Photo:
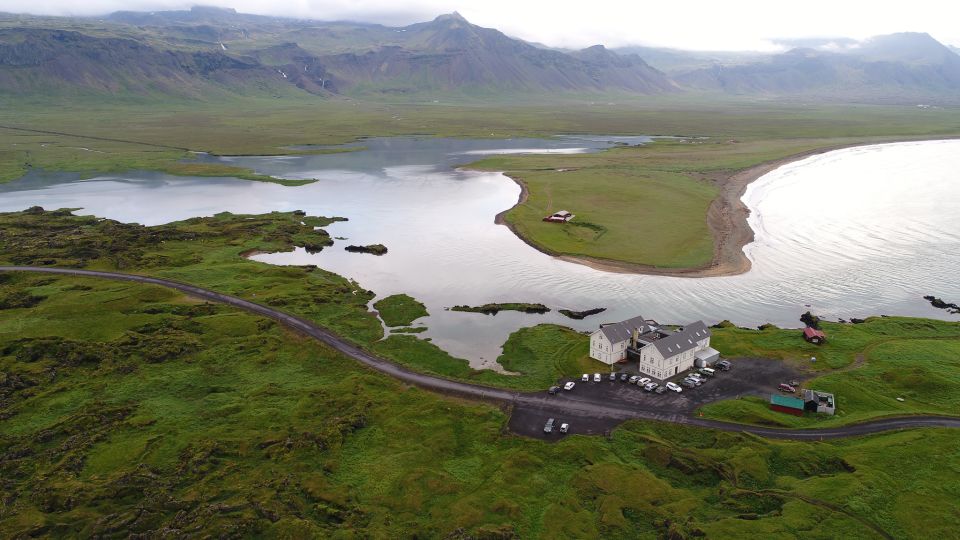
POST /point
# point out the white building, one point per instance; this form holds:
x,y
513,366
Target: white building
x,y
663,354
609,343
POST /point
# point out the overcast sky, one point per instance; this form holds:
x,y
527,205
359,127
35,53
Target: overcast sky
x,y
690,24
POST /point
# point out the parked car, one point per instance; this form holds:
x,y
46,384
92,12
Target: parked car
x,y
564,428
624,376
724,365
688,383
569,385
673,386
613,376
634,379
548,427
553,390
585,378
596,377
697,377
650,386
660,389
784,387
709,372
643,381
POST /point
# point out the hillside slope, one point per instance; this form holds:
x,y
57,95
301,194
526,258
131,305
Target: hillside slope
x,y
893,66
187,52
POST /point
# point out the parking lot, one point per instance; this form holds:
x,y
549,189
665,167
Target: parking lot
x,y
749,376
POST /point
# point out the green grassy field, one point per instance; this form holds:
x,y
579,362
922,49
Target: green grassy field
x,y
159,128
547,352
867,366
400,310
625,211
157,412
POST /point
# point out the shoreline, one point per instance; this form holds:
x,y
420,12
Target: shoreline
x,y
726,219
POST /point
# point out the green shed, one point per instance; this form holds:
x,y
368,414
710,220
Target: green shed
x,y
786,404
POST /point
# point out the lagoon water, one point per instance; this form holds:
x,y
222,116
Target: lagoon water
x,y
850,233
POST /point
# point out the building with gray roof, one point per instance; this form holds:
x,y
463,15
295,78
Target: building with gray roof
x,y
670,353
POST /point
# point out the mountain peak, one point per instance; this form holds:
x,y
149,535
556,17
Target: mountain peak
x,y
916,47
212,10
451,17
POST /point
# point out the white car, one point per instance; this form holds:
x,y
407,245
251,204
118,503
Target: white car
x,y
643,381
585,378
564,428
596,377
675,387
569,385
633,380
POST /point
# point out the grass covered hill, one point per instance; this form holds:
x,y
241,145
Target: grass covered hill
x,y
155,413
59,62
209,49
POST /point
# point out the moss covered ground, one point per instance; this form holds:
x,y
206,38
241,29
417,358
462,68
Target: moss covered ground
x,y
157,414
208,252
494,308
400,310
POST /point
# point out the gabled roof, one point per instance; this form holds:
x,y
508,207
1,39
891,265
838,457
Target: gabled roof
x,y
623,330
682,340
812,332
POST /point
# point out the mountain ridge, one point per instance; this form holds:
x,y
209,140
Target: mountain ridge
x,y
193,52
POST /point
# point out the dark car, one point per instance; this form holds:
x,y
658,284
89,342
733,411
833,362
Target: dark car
x,y
660,389
553,390
724,365
624,377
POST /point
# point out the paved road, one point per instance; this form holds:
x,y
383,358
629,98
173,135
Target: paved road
x,y
605,412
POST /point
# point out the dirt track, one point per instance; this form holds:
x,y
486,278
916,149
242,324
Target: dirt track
x,y
605,413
